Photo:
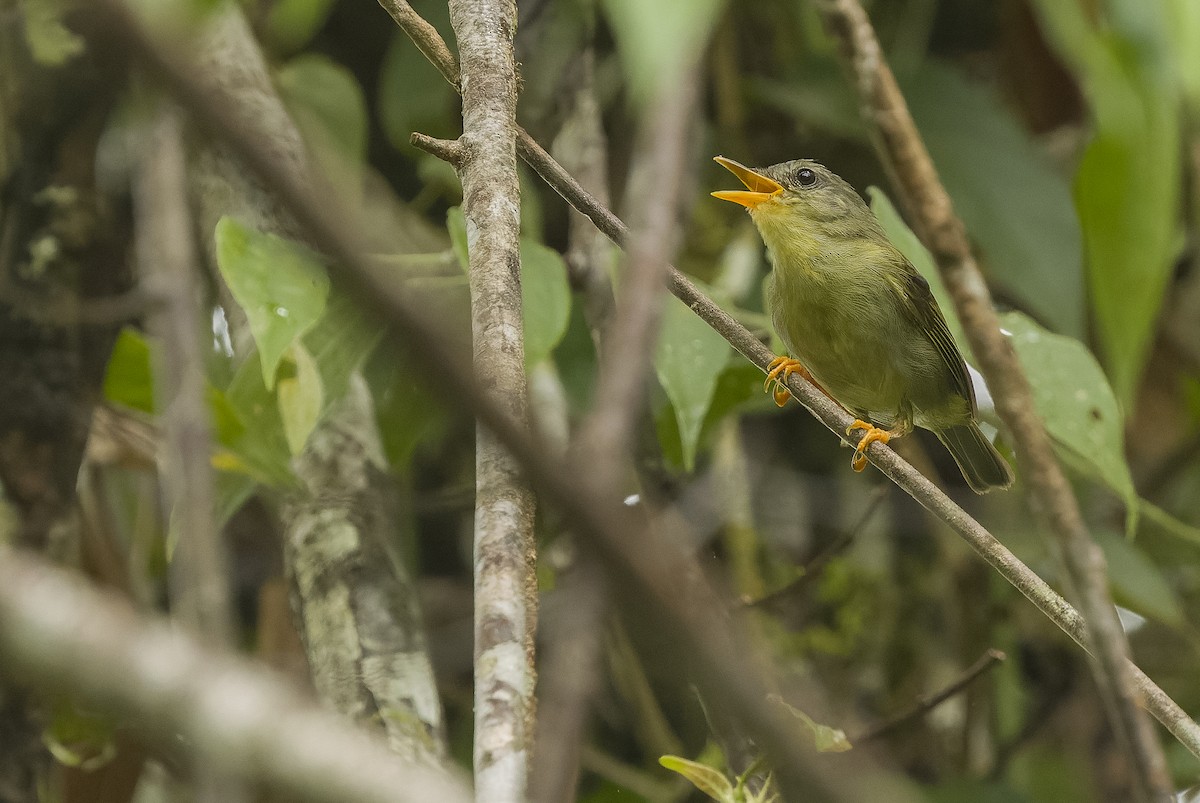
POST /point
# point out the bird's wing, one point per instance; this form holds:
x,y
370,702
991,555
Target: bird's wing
x,y
922,306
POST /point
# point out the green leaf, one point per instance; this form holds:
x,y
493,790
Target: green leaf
x,y
129,380
658,40
291,23
1014,201
413,95
1136,582
825,738
339,343
77,738
1074,399
708,780
262,450
456,224
545,300
1128,184
325,99
301,396
409,415
280,285
689,359
50,42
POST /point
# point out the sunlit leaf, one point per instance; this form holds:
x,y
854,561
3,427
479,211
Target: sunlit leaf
x,y
301,396
689,359
129,379
708,780
279,283
50,42
262,450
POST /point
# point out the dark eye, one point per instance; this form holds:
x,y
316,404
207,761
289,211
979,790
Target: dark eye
x,y
806,177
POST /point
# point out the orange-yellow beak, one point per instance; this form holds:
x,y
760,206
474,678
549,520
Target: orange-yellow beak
x,y
759,188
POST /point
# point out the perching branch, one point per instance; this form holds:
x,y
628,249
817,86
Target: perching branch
x,y
929,702
505,549
915,484
903,151
58,635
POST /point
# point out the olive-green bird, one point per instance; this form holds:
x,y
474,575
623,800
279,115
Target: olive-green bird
x,y
858,318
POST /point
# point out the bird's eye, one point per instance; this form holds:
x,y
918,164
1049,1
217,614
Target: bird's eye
x,y
806,177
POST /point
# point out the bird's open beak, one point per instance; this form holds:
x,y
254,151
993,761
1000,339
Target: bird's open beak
x,y
759,188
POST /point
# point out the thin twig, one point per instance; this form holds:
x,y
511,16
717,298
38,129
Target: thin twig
x,y
505,549
448,150
928,702
57,634
903,151
167,261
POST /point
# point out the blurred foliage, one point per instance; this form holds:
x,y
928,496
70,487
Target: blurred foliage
x,y
1067,135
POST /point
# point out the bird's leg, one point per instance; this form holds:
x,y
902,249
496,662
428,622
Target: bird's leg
x,y
778,371
873,434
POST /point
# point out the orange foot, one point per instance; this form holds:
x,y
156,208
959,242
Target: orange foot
x,y
777,372
874,433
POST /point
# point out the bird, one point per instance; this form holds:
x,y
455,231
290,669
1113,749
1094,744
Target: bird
x,y
857,319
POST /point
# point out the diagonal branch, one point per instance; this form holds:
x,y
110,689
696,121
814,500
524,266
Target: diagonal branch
x,y
903,151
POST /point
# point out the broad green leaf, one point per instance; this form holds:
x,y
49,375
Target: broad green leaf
x,y
129,380
1136,582
1074,399
413,95
409,414
708,780
280,285
689,359
301,396
1011,196
291,23
545,300
339,343
1127,186
658,40
325,99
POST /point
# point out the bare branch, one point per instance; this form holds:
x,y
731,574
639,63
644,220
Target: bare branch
x,y
929,702
167,261
56,635
505,549
448,150
903,151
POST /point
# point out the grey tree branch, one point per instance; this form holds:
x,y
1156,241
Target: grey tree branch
x,y
354,604
1174,718
58,635
168,266
505,549
901,148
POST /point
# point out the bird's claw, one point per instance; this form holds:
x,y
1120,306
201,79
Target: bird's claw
x,y
873,434
778,371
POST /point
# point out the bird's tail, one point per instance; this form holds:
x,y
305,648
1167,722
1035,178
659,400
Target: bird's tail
x,y
980,463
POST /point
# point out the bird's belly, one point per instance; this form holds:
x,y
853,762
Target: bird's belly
x,y
858,363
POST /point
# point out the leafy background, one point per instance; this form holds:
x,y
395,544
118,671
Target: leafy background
x,y
1065,133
